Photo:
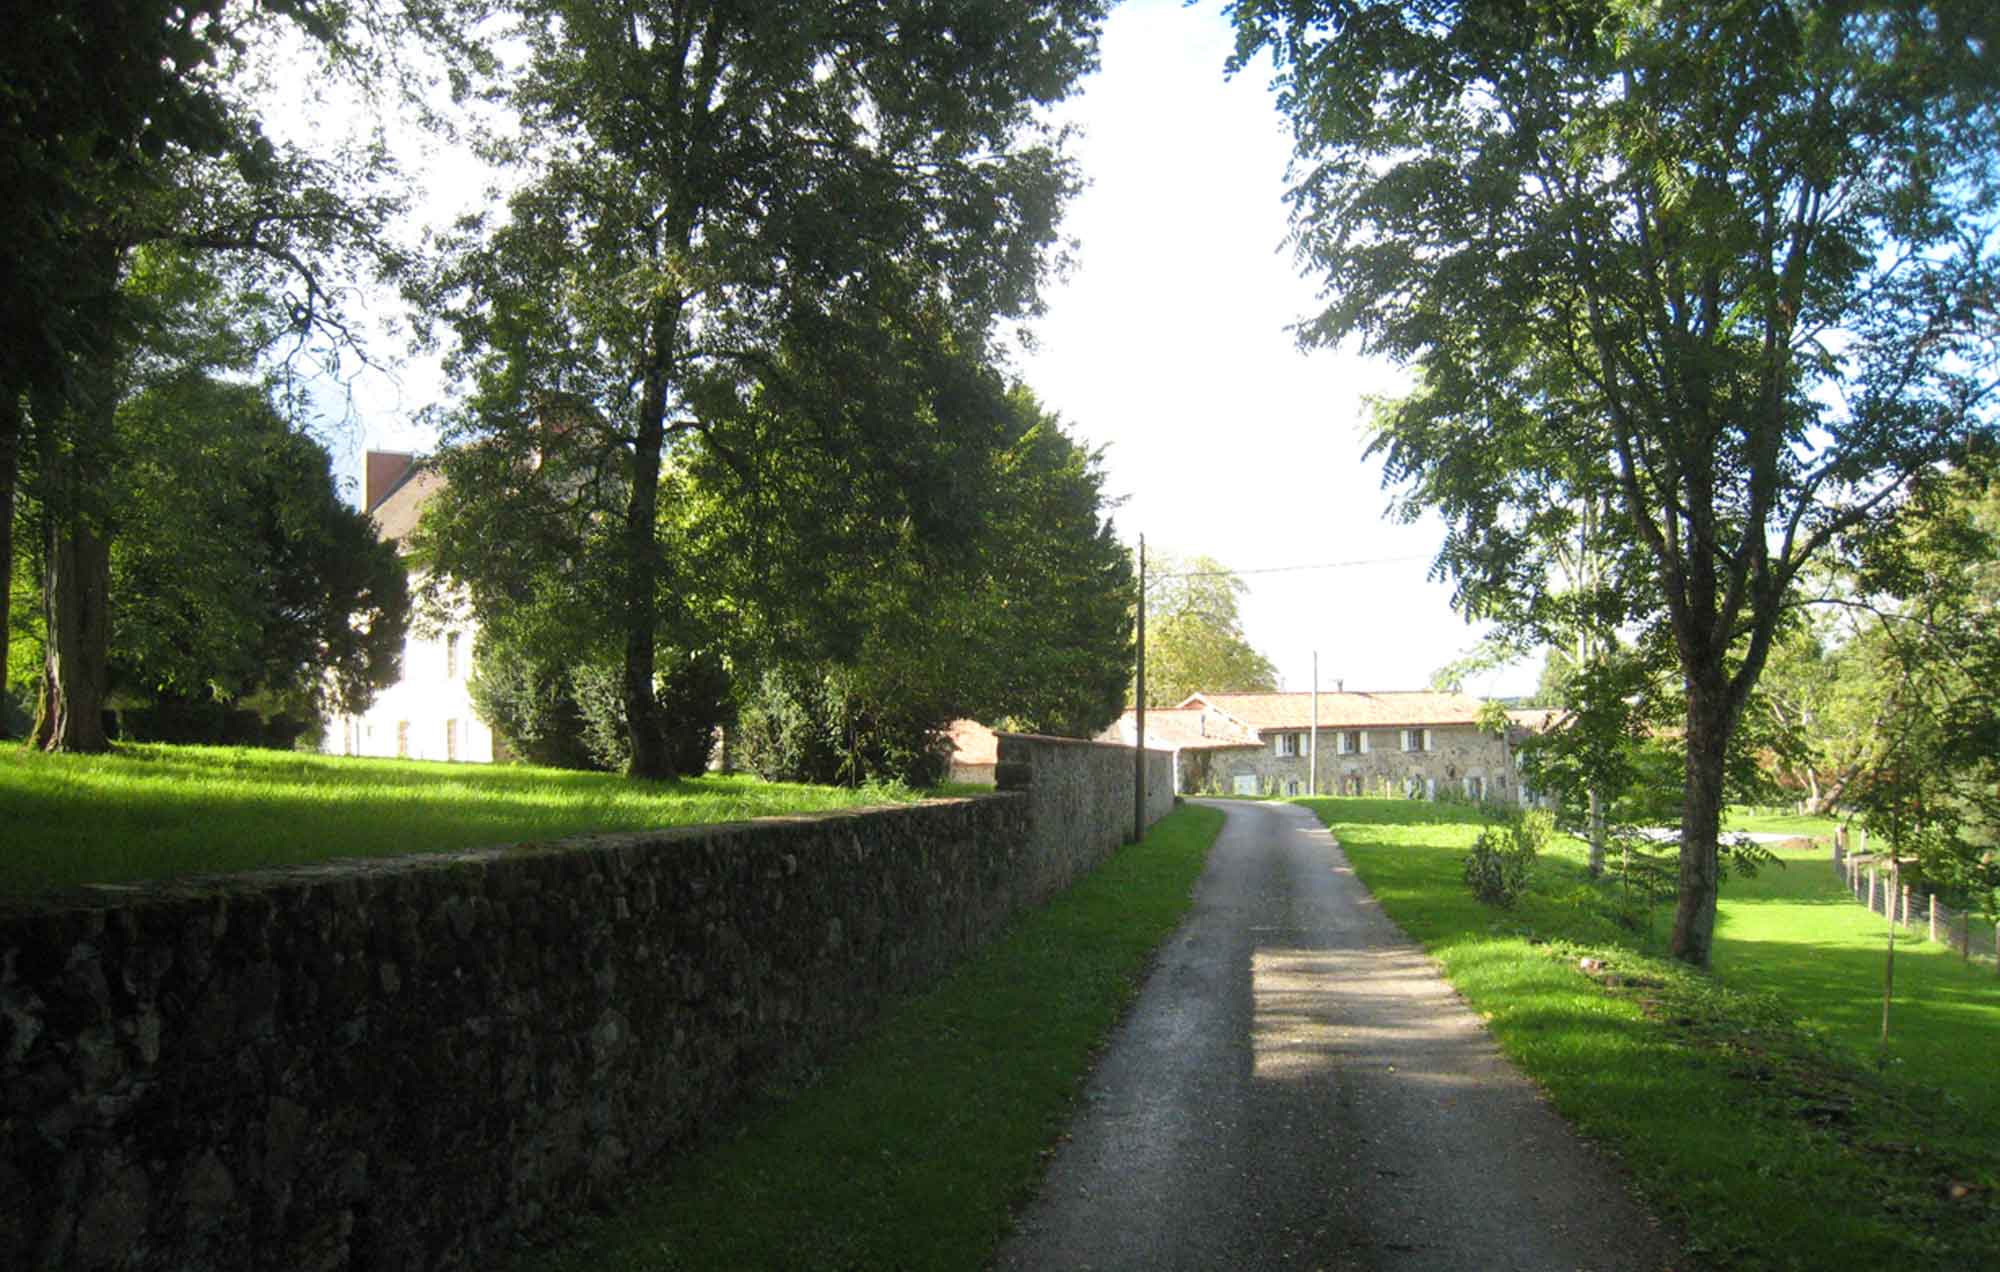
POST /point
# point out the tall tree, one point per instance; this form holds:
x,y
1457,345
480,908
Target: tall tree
x,y
728,207
126,125
1194,634
1925,652
243,572
1732,261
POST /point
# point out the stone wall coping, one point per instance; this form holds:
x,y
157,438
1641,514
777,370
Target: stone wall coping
x,y
196,888
1096,742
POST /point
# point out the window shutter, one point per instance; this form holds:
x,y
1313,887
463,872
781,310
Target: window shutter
x,y
1364,741
1427,739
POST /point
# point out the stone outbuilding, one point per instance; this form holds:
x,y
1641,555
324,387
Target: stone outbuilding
x,y
1399,743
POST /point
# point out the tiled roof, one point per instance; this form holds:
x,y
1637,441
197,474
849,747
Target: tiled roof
x,y
973,743
1267,711
1179,730
396,516
1536,719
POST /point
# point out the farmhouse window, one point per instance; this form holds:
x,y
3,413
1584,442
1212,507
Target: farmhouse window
x,y
1353,742
1416,739
1475,788
1287,743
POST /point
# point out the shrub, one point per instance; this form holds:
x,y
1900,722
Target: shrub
x,y
1503,856
812,725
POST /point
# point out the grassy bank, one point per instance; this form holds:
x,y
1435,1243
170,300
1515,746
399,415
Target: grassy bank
x,y
911,1149
1748,1105
151,812
1798,933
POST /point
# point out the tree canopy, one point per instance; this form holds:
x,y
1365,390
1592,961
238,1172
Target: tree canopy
x,y
1728,268
127,127
739,220
1194,634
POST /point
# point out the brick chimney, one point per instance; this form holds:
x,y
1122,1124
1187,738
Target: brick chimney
x,y
385,471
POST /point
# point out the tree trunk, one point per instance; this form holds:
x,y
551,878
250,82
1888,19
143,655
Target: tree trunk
x,y
76,437
10,472
644,727
76,592
1596,834
1701,826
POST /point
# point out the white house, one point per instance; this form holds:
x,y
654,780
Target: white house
x,y
427,714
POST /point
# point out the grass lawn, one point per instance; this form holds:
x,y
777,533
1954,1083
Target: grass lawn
x,y
912,1148
1746,1105
1798,933
1780,821
151,811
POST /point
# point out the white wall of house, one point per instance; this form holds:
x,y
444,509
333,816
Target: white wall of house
x,y
426,715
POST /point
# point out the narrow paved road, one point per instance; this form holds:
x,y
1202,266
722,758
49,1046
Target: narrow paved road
x,y
1297,1088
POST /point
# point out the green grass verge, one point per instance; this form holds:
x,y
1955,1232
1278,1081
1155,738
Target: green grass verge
x,y
1798,933
912,1148
152,812
1780,821
1747,1105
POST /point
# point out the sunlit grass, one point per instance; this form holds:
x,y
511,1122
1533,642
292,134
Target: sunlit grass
x,y
1779,821
1745,1104
913,1147
1798,933
153,811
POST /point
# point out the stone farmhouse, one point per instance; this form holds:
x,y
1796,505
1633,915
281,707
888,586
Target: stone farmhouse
x,y
1415,744
427,714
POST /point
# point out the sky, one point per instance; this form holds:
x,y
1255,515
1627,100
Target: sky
x,y
1168,345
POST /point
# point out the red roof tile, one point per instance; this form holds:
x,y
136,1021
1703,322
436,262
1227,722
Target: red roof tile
x,y
1269,711
973,743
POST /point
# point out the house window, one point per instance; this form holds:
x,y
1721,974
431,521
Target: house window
x,y
1475,788
1292,787
1353,742
1416,739
1287,744
402,739
451,739
451,655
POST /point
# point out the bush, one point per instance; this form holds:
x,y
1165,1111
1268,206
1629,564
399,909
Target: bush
x,y
572,715
1503,857
531,705
805,725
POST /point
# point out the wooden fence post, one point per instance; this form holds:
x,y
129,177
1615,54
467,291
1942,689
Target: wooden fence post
x,y
1904,893
1871,890
1933,918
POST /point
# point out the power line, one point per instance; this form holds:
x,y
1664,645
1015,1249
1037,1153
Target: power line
x,y
1282,569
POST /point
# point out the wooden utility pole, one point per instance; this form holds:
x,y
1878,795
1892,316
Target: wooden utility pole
x,y
1139,701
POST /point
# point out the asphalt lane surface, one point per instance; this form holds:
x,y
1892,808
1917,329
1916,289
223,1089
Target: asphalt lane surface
x,y
1296,1087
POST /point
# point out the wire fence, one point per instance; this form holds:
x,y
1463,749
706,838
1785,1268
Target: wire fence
x,y
1877,883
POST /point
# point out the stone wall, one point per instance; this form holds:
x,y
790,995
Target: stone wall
x,y
403,1064
1079,799
1457,752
